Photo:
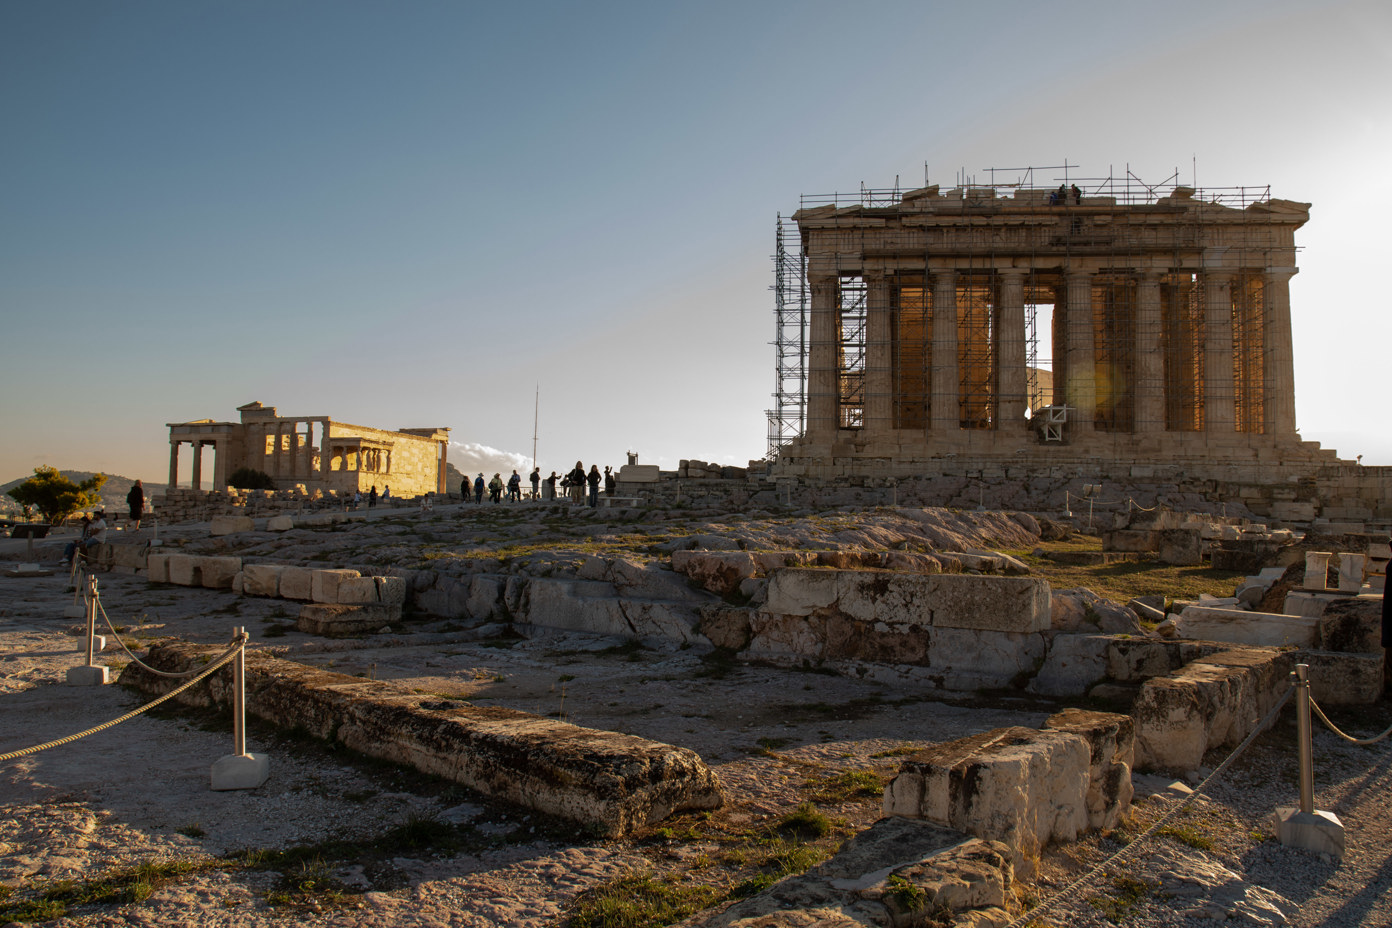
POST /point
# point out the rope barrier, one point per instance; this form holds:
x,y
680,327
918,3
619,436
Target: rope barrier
x,y
226,657
1335,729
157,672
1155,826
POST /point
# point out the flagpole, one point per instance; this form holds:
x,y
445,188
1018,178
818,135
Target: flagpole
x,y
536,414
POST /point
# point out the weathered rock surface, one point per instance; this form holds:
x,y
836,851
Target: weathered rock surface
x,y
345,621
1213,702
897,872
610,782
1023,786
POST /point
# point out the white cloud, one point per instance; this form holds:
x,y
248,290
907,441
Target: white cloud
x,y
472,458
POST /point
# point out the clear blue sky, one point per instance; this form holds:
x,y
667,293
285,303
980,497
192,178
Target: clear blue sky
x,y
412,214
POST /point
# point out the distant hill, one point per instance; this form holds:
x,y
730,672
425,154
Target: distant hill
x,y
113,492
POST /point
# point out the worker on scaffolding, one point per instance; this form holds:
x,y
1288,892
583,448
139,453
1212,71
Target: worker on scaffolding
x,y
1075,193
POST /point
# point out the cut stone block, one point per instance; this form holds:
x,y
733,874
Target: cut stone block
x,y
229,525
1241,626
217,573
262,579
280,523
639,473
1112,739
391,590
345,621
157,568
608,783
1017,785
1351,569
1209,703
297,583
1180,547
1074,664
1003,604
1339,679
324,584
1317,831
357,590
1310,605
1317,570
183,570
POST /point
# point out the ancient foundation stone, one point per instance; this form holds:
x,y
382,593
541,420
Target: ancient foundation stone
x,y
1339,679
297,583
607,782
217,573
1209,703
324,584
228,525
1112,739
1018,785
261,579
1239,626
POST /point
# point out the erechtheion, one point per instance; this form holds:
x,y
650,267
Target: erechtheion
x,y
313,451
919,326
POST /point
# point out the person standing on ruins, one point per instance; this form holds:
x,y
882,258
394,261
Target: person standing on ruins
x,y
135,499
593,479
495,489
551,485
478,489
610,481
464,489
576,481
536,483
514,488
372,497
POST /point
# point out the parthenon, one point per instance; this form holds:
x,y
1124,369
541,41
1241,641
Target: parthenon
x,y
345,458
928,324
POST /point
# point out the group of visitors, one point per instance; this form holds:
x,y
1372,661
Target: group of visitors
x,y
573,483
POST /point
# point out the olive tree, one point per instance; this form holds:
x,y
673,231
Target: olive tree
x,y
55,496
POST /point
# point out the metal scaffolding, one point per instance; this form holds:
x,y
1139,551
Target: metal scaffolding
x,y
903,394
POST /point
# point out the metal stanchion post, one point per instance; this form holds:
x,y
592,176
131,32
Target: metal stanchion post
x,y
90,674
1307,827
240,770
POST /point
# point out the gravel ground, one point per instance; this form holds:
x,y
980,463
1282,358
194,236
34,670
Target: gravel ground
x,y
139,792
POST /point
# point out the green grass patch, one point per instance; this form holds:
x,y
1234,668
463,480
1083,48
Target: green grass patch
x,y
1128,893
115,887
639,900
1187,834
848,784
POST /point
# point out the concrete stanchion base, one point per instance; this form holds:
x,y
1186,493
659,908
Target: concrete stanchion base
x,y
1315,831
241,771
29,570
89,676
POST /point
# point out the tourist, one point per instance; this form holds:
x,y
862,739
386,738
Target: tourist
x,y
478,489
93,534
464,489
576,481
495,489
536,482
551,485
514,488
386,493
610,481
372,497
357,499
593,480
135,499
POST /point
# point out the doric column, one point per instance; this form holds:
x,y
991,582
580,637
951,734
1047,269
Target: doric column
x,y
1080,391
219,466
325,453
309,450
277,456
1219,410
943,390
1012,379
1278,359
822,394
198,464
1150,372
440,467
878,399
173,462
